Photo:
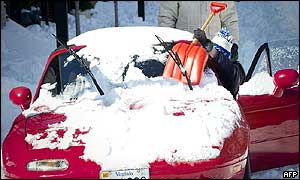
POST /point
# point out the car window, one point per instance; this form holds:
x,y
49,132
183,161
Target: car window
x,y
70,69
73,77
65,76
283,54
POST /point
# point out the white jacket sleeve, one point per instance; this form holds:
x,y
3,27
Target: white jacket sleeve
x,y
168,14
229,19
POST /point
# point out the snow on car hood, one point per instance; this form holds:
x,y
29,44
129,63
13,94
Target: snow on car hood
x,y
142,119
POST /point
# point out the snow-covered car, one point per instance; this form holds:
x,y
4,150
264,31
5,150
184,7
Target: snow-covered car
x,y
135,123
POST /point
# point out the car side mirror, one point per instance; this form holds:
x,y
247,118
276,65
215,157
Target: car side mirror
x,y
21,96
284,79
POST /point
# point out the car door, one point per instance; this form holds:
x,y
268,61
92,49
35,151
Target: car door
x,y
274,129
273,121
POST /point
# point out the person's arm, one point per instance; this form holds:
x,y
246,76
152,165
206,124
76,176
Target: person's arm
x,y
168,13
229,73
229,19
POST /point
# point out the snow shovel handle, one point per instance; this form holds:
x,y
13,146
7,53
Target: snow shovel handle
x,y
215,7
208,20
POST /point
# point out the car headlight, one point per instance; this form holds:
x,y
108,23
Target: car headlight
x,y
48,165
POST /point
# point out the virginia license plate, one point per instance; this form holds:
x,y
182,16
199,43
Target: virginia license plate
x,y
142,173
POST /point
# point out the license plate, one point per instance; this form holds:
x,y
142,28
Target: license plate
x,y
142,173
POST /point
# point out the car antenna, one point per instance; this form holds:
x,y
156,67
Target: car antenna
x,y
71,51
177,60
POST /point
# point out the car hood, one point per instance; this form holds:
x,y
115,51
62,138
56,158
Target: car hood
x,y
44,129
159,124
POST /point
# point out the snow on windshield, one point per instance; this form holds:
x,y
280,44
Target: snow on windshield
x,y
136,118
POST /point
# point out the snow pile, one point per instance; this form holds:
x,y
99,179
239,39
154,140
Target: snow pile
x,y
119,130
21,65
262,82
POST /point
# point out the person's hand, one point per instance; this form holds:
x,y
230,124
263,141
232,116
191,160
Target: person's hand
x,y
201,37
234,52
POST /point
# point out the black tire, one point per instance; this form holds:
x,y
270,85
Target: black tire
x,y
247,174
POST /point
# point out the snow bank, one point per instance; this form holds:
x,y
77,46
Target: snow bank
x,y
261,83
21,65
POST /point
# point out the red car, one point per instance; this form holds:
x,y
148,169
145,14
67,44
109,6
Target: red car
x,y
267,135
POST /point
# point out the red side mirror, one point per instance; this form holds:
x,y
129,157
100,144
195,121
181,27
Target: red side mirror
x,y
284,79
21,96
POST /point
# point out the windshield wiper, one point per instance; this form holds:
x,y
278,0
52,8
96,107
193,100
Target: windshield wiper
x,y
81,61
177,60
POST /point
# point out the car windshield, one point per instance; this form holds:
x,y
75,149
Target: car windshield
x,y
283,54
65,76
73,76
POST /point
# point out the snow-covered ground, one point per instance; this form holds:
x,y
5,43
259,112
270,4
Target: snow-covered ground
x,y
24,50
